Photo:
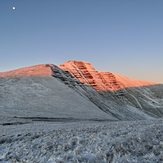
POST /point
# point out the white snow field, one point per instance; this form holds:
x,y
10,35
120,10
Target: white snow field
x,y
83,142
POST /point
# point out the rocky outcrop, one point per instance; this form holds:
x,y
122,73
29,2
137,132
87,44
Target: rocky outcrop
x,y
101,81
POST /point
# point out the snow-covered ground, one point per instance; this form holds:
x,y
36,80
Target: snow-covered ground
x,y
84,141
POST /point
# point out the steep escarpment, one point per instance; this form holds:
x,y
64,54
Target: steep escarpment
x,y
87,74
123,91
101,81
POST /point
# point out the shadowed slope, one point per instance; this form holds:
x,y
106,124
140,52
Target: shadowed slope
x,y
37,96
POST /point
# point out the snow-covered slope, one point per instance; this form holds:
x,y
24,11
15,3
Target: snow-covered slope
x,y
44,97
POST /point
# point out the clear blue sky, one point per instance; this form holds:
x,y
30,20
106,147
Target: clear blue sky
x,y
124,36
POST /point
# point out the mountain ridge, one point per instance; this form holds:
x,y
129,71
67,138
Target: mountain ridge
x,y
34,70
84,72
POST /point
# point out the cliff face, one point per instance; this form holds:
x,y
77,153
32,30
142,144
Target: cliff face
x,y
101,81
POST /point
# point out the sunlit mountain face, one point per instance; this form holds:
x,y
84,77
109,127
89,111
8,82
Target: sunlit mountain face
x,y
84,72
101,81
37,70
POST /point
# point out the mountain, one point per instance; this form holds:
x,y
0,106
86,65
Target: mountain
x,y
37,70
143,95
75,90
33,93
101,81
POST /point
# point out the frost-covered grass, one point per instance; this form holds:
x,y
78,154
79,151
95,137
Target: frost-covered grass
x,y
89,142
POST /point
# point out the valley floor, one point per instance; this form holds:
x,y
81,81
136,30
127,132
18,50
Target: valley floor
x,y
89,142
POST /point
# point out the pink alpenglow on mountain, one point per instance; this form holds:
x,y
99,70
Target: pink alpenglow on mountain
x,y
37,70
101,81
84,72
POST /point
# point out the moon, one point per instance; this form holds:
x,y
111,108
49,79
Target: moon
x,y
13,7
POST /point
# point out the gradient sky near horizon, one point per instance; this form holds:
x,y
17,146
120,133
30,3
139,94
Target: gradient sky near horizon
x,y
124,36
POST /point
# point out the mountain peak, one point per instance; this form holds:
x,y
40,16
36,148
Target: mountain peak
x,y
36,70
84,72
